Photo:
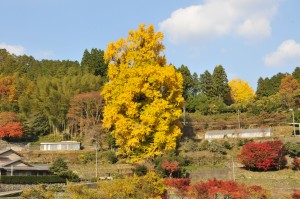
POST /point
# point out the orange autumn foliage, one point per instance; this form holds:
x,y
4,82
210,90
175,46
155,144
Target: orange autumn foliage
x,y
9,125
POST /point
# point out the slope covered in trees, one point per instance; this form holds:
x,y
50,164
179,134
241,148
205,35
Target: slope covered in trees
x,y
48,96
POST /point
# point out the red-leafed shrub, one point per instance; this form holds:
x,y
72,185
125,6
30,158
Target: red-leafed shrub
x,y
170,166
181,184
226,189
296,164
256,191
263,155
9,125
218,188
296,194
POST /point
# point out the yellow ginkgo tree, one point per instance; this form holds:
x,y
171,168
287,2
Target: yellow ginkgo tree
x,y
143,95
240,91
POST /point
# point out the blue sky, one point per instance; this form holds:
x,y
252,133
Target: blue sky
x,y
250,38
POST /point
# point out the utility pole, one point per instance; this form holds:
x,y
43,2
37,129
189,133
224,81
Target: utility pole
x,y
239,121
293,114
233,172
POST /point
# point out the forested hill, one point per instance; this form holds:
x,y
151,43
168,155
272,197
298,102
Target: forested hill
x,y
38,93
63,97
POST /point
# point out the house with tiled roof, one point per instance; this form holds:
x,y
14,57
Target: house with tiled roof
x,y
11,164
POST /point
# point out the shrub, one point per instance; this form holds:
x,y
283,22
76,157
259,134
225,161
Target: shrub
x,y
140,170
87,157
242,142
293,149
170,156
59,165
170,167
263,155
181,185
190,145
204,145
60,168
147,186
216,147
227,145
226,189
39,191
110,156
296,164
296,194
70,175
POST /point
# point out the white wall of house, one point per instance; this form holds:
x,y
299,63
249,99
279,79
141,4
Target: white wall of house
x,y
53,146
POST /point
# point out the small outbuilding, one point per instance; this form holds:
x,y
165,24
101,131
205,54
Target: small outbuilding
x,y
58,146
238,133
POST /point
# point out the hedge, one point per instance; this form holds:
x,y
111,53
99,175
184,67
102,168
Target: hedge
x,y
31,179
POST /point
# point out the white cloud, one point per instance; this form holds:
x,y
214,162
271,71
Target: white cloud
x,y
13,49
286,53
214,18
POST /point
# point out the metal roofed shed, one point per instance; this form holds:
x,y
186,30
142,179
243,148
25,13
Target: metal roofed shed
x,y
238,133
57,146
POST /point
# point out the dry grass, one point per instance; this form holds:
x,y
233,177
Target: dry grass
x,y
88,171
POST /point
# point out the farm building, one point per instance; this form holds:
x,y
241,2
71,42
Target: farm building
x,y
238,133
64,145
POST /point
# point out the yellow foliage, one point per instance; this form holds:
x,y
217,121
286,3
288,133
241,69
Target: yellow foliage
x,y
148,186
143,96
240,91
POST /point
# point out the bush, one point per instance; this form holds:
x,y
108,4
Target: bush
x,y
190,145
87,157
180,184
216,147
293,149
171,157
110,156
204,145
296,164
31,179
70,176
226,189
242,142
263,155
227,145
39,191
296,194
140,170
60,168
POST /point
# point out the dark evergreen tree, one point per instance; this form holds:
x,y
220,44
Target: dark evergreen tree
x,y
220,83
207,84
93,63
187,80
261,90
196,84
296,74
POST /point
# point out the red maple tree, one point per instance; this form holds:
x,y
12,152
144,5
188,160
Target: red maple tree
x,y
9,125
170,166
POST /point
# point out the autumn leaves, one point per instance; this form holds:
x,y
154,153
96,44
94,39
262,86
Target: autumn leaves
x,y
143,96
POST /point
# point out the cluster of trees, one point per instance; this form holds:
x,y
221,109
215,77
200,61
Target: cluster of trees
x,y
50,96
213,94
141,100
